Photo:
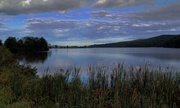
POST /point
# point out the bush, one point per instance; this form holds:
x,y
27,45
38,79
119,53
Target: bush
x,y
6,58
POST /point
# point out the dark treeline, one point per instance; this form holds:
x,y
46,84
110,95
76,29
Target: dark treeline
x,y
26,44
168,41
0,42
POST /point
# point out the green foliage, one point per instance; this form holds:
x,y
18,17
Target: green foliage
x,y
11,44
1,42
12,78
6,58
35,44
42,44
26,44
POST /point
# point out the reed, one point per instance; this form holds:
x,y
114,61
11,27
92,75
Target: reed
x,y
117,87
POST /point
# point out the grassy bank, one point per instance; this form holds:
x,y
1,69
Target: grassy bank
x,y
117,87
137,88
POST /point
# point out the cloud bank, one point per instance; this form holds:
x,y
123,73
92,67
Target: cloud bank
x,y
169,12
13,7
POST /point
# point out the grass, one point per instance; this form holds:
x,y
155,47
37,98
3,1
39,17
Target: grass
x,y
119,88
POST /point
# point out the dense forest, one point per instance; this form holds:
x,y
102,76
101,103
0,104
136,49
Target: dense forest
x,y
26,44
169,41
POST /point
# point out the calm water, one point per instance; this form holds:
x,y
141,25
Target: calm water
x,y
64,58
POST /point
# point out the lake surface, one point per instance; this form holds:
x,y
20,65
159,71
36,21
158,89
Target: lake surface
x,y
55,59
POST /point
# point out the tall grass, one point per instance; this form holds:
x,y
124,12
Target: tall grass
x,y
118,87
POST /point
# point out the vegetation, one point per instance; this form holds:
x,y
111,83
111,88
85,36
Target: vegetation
x,y
170,41
12,77
118,87
0,42
27,44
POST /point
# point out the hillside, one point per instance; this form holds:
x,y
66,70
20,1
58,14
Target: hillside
x,y
170,41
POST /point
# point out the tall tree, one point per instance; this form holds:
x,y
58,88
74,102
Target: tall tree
x,y
20,45
43,44
29,43
11,44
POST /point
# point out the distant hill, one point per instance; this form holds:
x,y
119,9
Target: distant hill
x,y
169,41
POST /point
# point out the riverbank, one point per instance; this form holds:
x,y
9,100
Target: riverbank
x,y
118,87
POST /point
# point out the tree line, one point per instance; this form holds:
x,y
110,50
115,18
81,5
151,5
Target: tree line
x,y
26,44
167,41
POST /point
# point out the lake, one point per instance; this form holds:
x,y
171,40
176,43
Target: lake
x,y
55,59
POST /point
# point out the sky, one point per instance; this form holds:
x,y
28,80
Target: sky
x,y
88,22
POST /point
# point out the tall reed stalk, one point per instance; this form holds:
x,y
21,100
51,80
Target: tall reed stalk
x,y
115,87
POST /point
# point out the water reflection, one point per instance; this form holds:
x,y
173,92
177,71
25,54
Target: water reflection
x,y
157,56
64,58
35,57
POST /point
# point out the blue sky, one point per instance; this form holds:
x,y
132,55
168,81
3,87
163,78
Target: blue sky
x,y
86,22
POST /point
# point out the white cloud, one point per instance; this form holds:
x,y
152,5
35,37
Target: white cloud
x,y
122,3
27,2
141,25
100,2
73,42
112,39
101,13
